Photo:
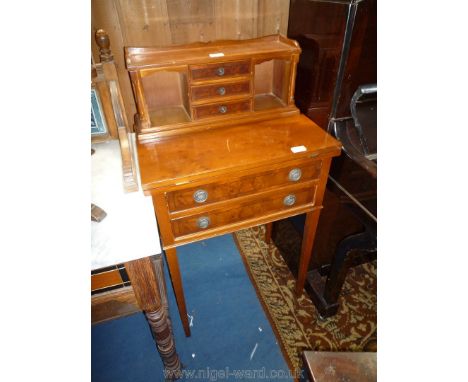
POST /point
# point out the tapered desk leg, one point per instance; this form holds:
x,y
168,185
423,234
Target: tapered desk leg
x,y
306,250
268,231
173,263
146,282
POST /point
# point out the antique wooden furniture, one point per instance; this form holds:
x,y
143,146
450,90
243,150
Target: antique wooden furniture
x,y
221,145
104,78
341,366
193,86
166,22
339,53
353,179
124,279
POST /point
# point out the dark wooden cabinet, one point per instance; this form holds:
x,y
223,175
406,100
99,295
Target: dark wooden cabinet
x,y
339,43
320,28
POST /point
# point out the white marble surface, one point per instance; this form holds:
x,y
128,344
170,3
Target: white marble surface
x,y
129,231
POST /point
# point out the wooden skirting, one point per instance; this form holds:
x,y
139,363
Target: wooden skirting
x,y
113,304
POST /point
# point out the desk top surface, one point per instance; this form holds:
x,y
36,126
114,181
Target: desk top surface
x,y
129,231
187,157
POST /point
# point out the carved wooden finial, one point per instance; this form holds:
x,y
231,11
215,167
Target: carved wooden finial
x,y
102,39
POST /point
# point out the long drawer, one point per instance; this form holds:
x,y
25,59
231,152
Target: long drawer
x,y
262,205
222,190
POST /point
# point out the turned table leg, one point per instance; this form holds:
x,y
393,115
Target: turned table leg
x,y
149,288
306,249
173,264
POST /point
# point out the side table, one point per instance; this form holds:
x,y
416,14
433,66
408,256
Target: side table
x,y
122,244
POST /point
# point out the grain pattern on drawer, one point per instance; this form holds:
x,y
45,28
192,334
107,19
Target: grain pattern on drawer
x,y
214,110
219,70
220,90
263,205
248,184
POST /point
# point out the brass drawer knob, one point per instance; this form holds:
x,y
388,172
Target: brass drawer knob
x,y
200,196
289,200
295,174
203,222
220,71
221,91
222,109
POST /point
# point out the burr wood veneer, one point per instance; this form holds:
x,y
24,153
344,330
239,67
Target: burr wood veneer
x,y
221,144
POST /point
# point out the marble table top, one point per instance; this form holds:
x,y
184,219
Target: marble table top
x,y
129,231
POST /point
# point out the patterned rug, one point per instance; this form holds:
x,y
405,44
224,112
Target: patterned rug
x,y
295,320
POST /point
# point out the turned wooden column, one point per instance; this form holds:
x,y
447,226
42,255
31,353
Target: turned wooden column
x,y
150,292
102,39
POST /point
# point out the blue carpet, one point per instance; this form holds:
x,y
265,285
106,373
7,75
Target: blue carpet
x,y
228,322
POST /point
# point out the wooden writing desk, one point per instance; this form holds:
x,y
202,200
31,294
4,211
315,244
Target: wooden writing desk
x,y
221,144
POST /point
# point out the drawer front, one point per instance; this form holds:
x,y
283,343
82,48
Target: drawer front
x,y
220,70
249,184
261,206
219,109
220,90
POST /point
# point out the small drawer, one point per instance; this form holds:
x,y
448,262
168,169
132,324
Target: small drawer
x,y
249,184
263,205
219,109
220,90
220,70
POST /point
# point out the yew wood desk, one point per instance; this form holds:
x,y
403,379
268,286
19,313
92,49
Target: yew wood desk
x,y
217,181
222,145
